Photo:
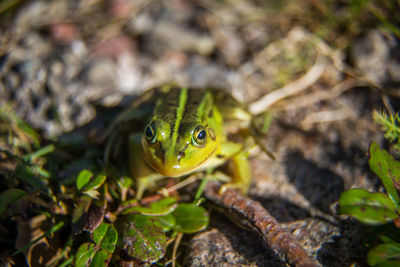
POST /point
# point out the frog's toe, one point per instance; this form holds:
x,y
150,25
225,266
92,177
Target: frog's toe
x,y
146,182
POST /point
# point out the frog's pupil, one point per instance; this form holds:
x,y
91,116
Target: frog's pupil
x,y
201,135
149,132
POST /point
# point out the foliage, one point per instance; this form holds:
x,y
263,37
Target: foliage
x,y
98,252
390,124
379,208
339,22
87,213
369,208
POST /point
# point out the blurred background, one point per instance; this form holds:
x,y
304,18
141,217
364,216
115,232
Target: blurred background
x,y
320,66
60,57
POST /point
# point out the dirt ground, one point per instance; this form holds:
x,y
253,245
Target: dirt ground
x,y
319,69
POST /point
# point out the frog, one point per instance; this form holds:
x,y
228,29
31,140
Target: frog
x,y
172,131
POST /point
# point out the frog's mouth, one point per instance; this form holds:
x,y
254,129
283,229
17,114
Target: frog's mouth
x,y
177,166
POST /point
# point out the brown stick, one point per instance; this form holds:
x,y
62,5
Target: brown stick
x,y
266,225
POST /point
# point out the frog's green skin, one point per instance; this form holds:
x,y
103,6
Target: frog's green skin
x,y
176,131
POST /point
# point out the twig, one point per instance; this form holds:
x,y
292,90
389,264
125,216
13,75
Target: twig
x,y
388,104
292,88
266,225
322,95
175,249
176,187
326,116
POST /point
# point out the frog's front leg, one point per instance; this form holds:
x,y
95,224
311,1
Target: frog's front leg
x,y
239,166
144,176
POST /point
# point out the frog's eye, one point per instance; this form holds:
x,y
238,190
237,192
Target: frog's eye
x,y
199,137
150,133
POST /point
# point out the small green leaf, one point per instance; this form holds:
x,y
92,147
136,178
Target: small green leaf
x,y
161,207
31,137
28,175
95,183
42,173
125,182
9,196
87,184
262,122
89,254
93,194
388,170
39,153
67,262
190,218
387,254
143,239
101,258
370,208
106,237
83,178
99,254
201,188
166,222
85,254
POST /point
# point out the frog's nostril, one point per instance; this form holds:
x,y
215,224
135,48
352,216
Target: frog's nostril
x,y
181,154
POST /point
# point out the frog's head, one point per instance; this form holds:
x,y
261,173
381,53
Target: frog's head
x,y
175,150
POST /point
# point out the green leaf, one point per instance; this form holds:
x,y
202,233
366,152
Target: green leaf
x,y
370,208
93,194
388,170
83,178
31,136
389,124
95,183
28,175
106,237
9,196
89,254
190,218
67,262
166,222
143,239
88,185
128,204
125,182
200,190
85,254
101,258
263,122
387,254
161,207
42,173
39,153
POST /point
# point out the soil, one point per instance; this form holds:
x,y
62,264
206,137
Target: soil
x,y
64,62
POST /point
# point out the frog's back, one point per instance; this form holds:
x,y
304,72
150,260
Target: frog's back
x,y
233,111
175,103
192,105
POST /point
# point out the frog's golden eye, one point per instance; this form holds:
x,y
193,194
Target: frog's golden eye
x,y
150,133
199,137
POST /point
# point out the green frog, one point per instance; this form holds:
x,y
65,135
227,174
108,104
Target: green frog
x,y
175,131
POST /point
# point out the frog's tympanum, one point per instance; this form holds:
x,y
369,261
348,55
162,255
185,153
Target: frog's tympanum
x,y
175,131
